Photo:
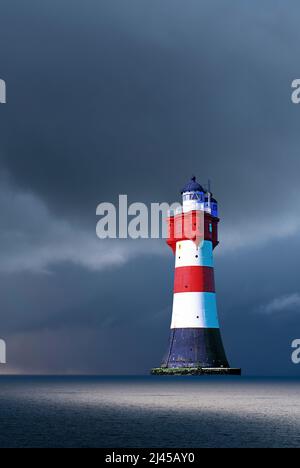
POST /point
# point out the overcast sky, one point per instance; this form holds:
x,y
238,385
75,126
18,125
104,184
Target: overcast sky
x,y
109,97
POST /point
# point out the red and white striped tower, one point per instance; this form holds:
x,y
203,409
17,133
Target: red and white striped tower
x,y
195,345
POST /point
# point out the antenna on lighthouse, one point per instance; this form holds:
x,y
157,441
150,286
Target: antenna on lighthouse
x,y
209,185
209,194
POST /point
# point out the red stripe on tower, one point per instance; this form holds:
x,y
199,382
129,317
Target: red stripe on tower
x,y
194,279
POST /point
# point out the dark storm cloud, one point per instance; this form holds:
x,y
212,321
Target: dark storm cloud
x,y
113,97
109,97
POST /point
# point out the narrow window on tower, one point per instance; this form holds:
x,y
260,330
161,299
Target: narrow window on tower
x,y
210,227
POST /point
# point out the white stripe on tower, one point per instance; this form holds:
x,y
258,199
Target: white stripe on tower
x,y
194,310
188,254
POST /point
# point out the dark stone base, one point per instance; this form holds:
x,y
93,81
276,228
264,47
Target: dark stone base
x,y
196,371
195,348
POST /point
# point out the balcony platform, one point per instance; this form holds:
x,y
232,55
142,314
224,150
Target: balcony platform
x,y
196,371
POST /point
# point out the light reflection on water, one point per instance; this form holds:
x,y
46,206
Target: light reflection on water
x,y
149,412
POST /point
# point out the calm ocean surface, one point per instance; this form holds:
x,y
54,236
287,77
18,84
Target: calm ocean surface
x,y
149,412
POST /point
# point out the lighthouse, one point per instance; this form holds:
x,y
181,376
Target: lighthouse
x,y
195,345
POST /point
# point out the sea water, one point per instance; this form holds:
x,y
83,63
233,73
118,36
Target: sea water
x,y
167,412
